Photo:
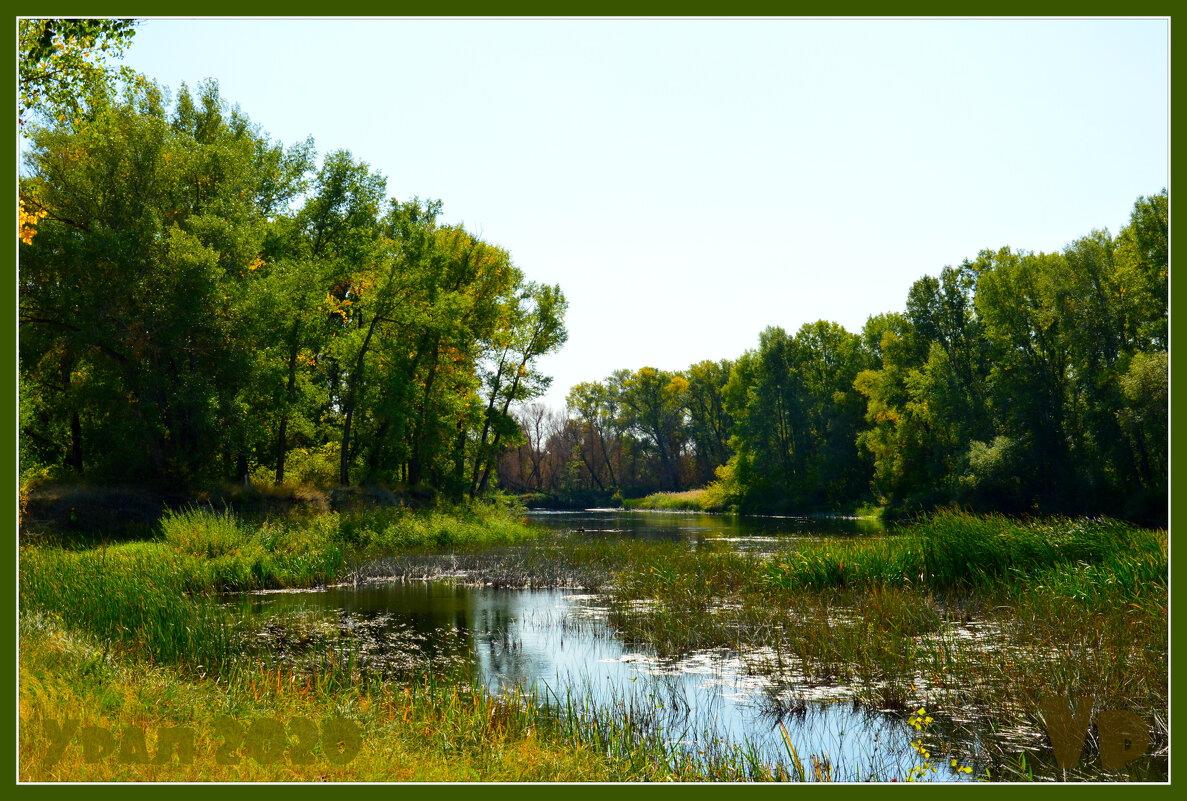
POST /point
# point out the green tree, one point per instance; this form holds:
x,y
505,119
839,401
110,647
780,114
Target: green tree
x,y
534,328
797,417
1142,264
596,407
62,64
1144,415
131,290
764,401
653,406
709,425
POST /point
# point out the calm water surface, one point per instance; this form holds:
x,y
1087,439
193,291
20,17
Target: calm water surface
x,y
747,532
560,644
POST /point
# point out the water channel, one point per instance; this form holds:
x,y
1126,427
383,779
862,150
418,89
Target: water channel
x,y
559,644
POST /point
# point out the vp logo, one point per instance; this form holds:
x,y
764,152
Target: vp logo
x,y
1123,735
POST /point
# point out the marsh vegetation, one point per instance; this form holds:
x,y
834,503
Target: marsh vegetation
x,y
689,652
200,304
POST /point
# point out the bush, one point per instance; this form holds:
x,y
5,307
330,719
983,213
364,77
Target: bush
x,y
989,479
203,533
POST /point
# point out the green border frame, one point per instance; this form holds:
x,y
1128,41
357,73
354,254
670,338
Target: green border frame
x,y
442,8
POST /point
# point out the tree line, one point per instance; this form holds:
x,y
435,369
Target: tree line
x,y
1016,381
201,303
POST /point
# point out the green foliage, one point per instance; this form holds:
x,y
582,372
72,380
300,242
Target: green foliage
x,y
1004,384
1017,381
61,64
131,293
990,480
709,423
1144,386
198,304
653,403
797,417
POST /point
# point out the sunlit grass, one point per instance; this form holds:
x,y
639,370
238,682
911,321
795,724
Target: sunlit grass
x,y
981,614
690,500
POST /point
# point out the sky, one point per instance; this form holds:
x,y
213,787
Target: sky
x,y
689,183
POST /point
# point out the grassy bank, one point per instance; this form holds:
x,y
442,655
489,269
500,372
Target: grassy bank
x,y
980,617
150,648
154,597
430,730
976,617
715,498
695,500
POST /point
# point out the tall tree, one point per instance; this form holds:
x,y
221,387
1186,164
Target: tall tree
x,y
596,408
709,425
62,64
653,403
536,328
135,280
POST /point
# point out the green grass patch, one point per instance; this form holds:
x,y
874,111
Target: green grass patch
x,y
155,597
955,550
688,501
981,614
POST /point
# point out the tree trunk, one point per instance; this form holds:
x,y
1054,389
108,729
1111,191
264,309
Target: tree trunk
x,y
280,449
281,444
414,465
76,443
606,457
74,459
506,405
351,398
376,450
479,451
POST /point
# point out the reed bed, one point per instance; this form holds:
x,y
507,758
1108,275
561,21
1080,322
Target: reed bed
x,y
429,728
694,500
978,616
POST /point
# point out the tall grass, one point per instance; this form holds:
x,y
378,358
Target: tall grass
x,y
139,598
383,531
155,597
428,728
1081,605
955,550
690,500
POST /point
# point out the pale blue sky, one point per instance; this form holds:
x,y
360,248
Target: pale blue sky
x,y
690,182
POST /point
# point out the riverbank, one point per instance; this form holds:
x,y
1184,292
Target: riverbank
x,y
126,719
150,650
712,499
978,618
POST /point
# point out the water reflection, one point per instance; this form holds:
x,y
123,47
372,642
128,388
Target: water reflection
x,y
745,532
560,644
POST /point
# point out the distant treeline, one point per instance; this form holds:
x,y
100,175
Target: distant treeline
x,y
198,303
1018,381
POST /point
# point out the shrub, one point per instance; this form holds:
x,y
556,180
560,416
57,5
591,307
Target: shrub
x,y
203,532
